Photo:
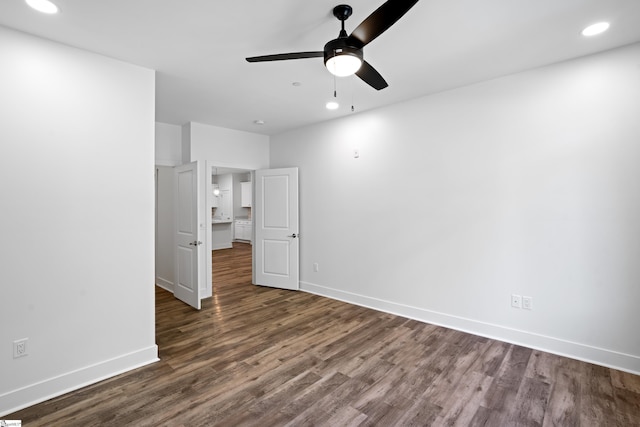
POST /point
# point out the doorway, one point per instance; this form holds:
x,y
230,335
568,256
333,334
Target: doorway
x,y
229,200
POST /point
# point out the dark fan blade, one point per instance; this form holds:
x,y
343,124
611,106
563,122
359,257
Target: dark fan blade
x,y
285,56
370,76
380,21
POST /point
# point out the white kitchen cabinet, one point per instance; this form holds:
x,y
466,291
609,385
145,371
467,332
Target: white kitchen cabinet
x,y
243,230
221,235
245,194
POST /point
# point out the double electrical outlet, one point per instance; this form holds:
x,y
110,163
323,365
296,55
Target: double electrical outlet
x,y
20,348
518,301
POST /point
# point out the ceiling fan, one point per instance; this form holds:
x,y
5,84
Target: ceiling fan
x,y
343,56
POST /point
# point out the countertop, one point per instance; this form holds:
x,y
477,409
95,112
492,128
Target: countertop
x,y
221,221
218,220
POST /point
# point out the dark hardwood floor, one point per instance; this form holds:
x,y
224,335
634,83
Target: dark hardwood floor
x,y
269,357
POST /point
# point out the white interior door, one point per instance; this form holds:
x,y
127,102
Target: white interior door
x,y
276,228
186,283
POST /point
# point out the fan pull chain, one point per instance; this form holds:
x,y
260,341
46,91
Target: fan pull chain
x,y
351,87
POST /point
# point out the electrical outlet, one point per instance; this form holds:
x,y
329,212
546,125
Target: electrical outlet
x,y
316,267
20,348
527,303
516,301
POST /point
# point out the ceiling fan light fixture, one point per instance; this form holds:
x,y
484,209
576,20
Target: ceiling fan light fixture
x,y
343,64
341,59
44,6
343,55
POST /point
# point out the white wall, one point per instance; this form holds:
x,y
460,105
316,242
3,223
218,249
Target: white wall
x,y
527,184
76,253
227,147
186,143
168,148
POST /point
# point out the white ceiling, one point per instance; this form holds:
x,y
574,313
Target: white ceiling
x,y
198,49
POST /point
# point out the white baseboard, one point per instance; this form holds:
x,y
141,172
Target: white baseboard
x,y
164,284
222,246
204,293
599,356
24,397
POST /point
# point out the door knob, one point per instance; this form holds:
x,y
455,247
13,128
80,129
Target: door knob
x,y
196,243
294,235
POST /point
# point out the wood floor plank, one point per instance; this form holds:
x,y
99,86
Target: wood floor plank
x,y
421,413
346,416
383,390
468,395
313,394
532,398
329,404
489,362
625,380
564,400
502,394
628,403
257,356
598,405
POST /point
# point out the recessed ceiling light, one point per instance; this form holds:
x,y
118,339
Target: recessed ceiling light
x,y
259,122
595,29
44,6
332,105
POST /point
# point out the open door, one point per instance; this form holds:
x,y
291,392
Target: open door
x,y
186,283
277,235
